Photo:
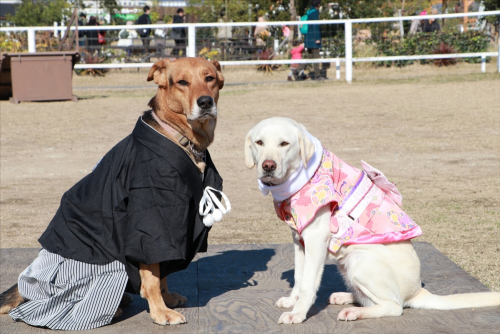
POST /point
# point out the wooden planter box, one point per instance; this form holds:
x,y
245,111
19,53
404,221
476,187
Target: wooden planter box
x,y
41,76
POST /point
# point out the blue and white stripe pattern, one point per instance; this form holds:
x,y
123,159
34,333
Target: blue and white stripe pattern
x,y
67,294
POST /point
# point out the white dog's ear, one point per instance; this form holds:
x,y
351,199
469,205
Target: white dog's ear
x,y
158,72
306,146
248,151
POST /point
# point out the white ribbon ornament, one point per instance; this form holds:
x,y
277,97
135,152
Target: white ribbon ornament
x,y
211,212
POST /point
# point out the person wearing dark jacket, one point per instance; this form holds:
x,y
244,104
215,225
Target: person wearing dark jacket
x,y
312,42
144,33
179,34
82,19
431,25
92,36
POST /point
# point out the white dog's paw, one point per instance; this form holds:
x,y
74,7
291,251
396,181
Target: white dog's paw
x,y
350,314
286,302
341,298
288,318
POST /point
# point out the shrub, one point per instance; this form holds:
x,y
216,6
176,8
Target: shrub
x,y
422,43
444,49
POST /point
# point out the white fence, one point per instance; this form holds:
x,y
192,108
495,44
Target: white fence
x,y
348,59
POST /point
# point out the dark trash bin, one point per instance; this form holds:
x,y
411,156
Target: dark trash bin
x,y
41,76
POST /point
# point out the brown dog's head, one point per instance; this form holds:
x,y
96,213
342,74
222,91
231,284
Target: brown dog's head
x,y
187,97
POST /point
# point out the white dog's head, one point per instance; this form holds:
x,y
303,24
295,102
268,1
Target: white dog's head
x,y
278,146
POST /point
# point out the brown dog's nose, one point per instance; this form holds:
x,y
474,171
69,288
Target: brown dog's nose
x,y
205,102
269,165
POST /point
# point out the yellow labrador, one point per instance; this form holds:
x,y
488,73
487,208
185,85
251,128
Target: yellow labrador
x,y
382,278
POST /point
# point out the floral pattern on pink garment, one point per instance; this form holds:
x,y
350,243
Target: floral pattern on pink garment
x,y
382,221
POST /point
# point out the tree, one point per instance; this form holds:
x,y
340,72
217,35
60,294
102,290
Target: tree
x,y
39,13
495,20
211,11
365,9
112,8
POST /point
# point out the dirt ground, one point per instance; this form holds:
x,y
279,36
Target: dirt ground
x,y
436,134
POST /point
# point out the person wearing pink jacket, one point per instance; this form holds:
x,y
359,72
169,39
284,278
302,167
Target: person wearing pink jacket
x,y
296,53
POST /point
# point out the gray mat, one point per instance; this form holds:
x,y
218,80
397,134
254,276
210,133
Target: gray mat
x,y
232,289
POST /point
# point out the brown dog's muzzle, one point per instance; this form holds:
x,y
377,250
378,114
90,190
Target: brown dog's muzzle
x,y
205,102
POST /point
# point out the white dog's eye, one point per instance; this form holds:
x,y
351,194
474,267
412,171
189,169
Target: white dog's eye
x,y
183,82
283,144
259,142
209,78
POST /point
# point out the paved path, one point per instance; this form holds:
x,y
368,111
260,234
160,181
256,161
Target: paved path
x,y
232,289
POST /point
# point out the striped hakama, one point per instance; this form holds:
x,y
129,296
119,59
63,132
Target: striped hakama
x,y
68,294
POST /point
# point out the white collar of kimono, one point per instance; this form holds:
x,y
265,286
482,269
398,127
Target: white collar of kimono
x,y
298,178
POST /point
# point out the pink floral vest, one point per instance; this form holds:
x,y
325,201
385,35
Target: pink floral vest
x,y
364,209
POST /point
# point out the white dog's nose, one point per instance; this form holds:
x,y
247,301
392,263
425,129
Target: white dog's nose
x,y
269,165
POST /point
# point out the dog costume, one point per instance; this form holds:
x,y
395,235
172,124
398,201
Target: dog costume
x,y
140,204
365,204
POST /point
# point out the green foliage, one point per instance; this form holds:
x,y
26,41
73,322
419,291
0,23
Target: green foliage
x,y
364,9
420,44
112,7
212,11
238,10
492,5
334,46
154,16
46,12
39,13
413,7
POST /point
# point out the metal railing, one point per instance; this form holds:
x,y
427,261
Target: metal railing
x,y
191,48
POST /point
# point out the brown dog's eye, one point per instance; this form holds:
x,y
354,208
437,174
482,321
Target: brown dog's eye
x,y
209,78
259,142
283,144
183,82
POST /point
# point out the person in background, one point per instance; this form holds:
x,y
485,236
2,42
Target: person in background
x,y
82,20
160,35
431,25
261,31
126,37
179,34
224,31
143,32
286,36
224,34
92,36
312,41
296,53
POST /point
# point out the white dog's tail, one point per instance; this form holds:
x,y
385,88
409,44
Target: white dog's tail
x,y
426,300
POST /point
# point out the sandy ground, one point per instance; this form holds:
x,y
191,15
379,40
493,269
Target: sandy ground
x,y
436,134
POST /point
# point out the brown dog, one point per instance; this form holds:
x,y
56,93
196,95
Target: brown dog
x,y
188,91
186,101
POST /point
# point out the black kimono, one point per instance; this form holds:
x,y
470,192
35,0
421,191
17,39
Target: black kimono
x,y
139,205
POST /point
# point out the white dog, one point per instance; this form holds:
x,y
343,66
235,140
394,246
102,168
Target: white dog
x,y
359,222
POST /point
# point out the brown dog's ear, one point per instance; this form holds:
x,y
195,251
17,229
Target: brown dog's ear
x,y
220,77
248,151
158,72
306,145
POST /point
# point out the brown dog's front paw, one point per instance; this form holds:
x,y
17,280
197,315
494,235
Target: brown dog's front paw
x,y
169,317
118,313
126,300
173,299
